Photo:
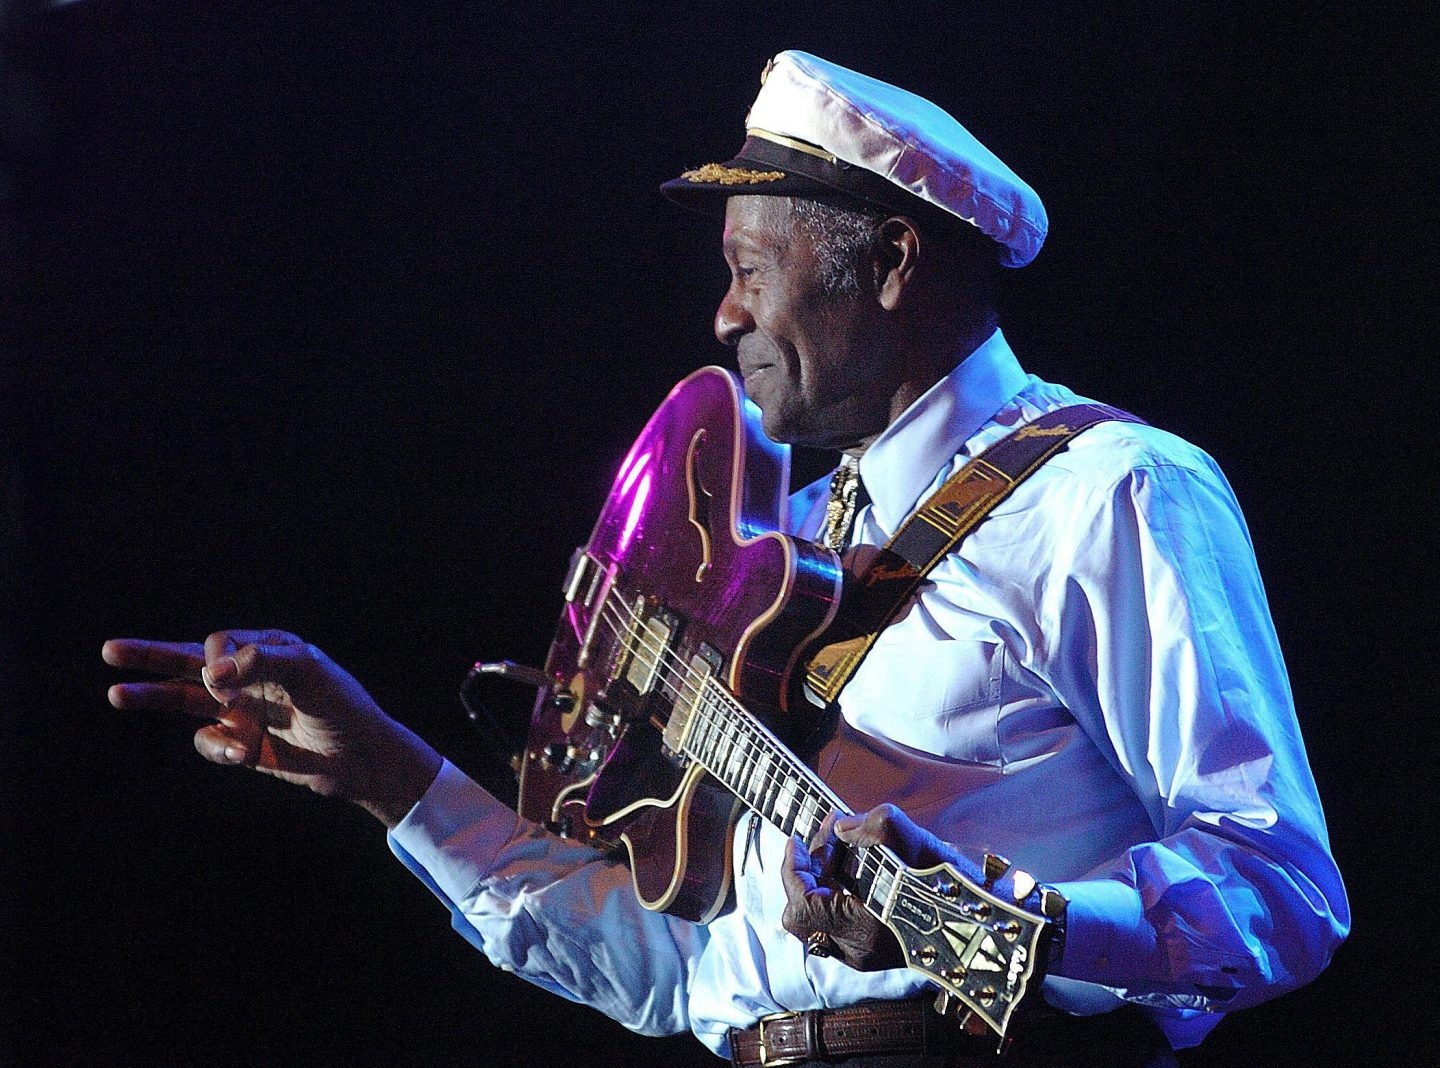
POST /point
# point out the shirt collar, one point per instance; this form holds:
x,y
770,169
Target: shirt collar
x,y
904,460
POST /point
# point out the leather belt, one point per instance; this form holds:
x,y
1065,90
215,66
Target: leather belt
x,y
833,1034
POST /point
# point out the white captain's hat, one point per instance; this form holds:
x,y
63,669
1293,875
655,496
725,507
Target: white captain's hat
x,y
821,131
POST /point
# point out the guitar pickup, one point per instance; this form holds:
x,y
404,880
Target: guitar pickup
x,y
688,698
648,641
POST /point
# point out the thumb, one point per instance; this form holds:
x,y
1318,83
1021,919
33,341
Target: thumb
x,y
221,677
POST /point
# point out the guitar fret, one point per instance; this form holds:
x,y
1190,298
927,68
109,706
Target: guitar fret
x,y
737,757
858,871
716,730
808,821
795,794
747,764
734,756
718,754
699,741
718,742
771,803
759,779
784,804
881,884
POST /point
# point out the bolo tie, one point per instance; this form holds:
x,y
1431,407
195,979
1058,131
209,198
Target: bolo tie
x,y
846,497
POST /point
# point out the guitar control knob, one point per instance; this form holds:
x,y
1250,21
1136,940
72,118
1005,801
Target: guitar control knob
x,y
559,756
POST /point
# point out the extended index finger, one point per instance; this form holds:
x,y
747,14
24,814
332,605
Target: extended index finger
x,y
176,659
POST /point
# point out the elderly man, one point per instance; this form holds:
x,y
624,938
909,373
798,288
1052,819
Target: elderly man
x,y
1088,683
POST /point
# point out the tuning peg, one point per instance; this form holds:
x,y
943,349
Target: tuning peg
x,y
1052,903
995,867
1024,885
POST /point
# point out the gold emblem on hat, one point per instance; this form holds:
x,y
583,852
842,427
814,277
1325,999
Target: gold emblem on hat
x,y
719,174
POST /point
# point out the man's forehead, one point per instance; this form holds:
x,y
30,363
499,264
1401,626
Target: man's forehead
x,y
749,218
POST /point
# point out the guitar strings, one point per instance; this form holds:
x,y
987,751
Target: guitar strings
x,y
691,690
622,621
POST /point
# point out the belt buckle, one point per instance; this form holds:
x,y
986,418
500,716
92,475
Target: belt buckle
x,y
765,1059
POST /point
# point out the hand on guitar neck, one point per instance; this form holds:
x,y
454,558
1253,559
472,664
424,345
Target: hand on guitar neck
x,y
818,904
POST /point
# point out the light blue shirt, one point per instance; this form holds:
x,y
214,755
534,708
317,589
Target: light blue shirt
x,y
1090,685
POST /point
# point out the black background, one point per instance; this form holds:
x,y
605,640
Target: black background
x,y
340,317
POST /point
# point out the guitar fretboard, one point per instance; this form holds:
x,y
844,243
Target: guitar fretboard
x,y
741,752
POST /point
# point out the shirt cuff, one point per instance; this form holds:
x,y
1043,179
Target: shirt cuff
x,y
1106,933
454,832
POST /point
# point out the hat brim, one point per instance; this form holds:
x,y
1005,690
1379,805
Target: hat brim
x,y
767,168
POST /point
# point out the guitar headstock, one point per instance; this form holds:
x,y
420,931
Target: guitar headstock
x,y
978,948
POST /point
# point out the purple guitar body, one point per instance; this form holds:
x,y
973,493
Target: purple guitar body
x,y
684,582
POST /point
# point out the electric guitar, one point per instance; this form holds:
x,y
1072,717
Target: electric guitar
x,y
686,617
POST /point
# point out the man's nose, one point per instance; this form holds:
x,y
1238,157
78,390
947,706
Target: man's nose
x,y
732,320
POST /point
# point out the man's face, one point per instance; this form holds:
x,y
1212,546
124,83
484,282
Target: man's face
x,y
812,361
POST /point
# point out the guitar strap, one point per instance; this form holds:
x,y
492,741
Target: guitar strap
x,y
871,599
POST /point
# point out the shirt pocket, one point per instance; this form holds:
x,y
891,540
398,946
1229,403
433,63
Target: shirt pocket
x,y
937,696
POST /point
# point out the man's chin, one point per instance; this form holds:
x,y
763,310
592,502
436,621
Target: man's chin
x,y
788,432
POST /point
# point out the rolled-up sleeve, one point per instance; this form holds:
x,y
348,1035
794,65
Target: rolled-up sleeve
x,y
1171,664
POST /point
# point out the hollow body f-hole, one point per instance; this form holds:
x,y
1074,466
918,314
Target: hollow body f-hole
x,y
700,501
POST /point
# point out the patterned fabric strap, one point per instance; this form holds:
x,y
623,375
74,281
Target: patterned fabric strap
x,y
889,579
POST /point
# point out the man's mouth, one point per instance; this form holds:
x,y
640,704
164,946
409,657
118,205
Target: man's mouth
x,y
751,365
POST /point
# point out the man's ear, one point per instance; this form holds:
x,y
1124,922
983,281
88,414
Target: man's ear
x,y
897,255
